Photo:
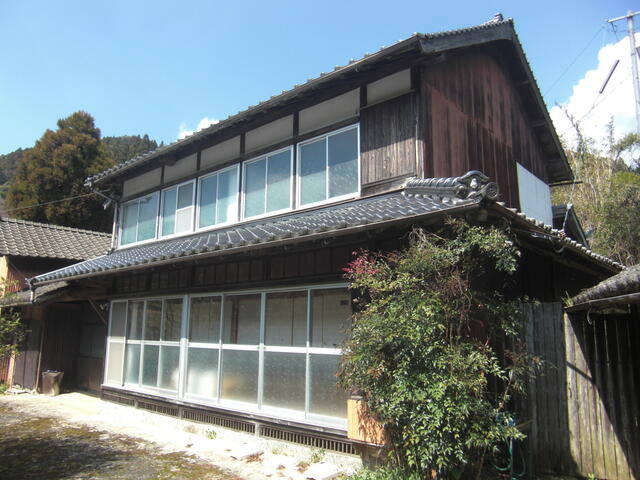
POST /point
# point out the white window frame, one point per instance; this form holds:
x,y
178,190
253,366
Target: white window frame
x,y
258,407
328,200
238,190
121,221
244,180
175,214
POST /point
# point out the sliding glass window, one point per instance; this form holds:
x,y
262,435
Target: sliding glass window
x,y
177,209
268,184
328,167
218,198
139,219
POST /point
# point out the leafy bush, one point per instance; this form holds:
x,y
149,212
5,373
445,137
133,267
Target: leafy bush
x,y
383,474
422,348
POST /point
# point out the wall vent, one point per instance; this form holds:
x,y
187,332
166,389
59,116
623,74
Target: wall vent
x,y
157,408
110,397
231,423
307,439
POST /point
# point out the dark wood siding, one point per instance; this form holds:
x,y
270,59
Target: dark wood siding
x,y
475,121
387,140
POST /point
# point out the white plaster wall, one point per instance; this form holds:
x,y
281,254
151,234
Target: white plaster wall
x,y
269,134
330,111
390,86
220,153
183,167
142,182
535,196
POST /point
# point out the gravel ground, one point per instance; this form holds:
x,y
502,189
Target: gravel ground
x,y
77,436
39,447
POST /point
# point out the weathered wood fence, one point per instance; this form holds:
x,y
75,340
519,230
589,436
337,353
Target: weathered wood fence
x,y
585,405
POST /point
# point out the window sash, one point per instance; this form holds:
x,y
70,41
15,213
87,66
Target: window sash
x,y
170,209
232,204
266,188
133,224
263,357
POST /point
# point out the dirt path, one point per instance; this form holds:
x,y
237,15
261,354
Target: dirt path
x,y
45,448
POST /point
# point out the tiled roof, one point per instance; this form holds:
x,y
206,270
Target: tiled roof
x,y
424,43
419,198
40,294
624,283
33,239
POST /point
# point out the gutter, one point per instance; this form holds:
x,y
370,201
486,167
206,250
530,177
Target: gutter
x,y
603,302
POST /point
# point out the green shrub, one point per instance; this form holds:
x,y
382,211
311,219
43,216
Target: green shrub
x,y
383,474
422,348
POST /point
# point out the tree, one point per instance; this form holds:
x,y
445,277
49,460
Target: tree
x,y
423,348
607,197
55,168
122,148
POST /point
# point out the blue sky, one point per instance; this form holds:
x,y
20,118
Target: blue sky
x,y
152,67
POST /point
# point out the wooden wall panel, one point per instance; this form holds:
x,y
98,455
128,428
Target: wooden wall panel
x,y
387,140
584,404
475,121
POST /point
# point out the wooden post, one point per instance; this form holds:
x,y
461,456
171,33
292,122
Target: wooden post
x,y
361,426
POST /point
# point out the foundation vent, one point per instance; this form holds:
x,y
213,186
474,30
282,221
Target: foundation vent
x,y
231,423
110,397
309,440
157,408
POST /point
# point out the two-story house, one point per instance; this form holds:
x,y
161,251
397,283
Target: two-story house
x,y
225,282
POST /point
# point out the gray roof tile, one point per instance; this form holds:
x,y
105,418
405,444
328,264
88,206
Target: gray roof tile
x,y
33,239
625,282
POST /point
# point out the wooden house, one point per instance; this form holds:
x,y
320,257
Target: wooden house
x,y
62,336
227,300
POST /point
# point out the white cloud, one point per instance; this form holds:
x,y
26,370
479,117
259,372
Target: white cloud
x,y
185,131
593,110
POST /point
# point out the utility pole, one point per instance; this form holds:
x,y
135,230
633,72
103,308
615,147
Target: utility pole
x,y
634,62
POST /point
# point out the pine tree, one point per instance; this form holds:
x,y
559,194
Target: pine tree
x,y
55,169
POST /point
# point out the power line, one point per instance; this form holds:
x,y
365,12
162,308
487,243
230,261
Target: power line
x,y
49,203
574,60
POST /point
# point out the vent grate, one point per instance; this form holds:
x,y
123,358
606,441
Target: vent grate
x,y
118,399
231,423
309,440
154,407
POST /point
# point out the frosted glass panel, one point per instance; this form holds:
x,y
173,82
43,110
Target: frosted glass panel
x,y
129,223
153,320
169,361
279,181
284,380
132,364
114,367
150,366
240,375
134,320
183,220
208,193
313,174
227,196
185,195
330,317
118,320
286,319
202,372
172,320
327,398
147,216
254,188
242,319
343,163
204,320
168,211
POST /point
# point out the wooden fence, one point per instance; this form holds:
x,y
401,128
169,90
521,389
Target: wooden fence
x,y
585,405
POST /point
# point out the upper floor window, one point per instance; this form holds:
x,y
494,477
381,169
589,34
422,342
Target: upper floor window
x,y
267,184
218,198
328,167
177,209
139,219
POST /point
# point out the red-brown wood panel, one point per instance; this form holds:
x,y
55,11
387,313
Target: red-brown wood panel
x,y
475,121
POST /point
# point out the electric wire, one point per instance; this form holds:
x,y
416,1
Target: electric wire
x,y
574,60
49,203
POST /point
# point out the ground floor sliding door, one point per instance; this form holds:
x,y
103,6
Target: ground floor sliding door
x,y
274,352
